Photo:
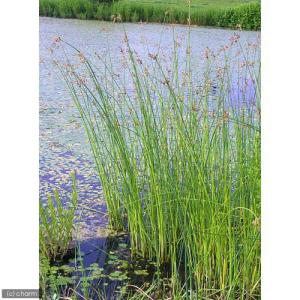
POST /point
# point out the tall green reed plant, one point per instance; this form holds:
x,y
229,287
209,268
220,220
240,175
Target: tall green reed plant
x,y
180,166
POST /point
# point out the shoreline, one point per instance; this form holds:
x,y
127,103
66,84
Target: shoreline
x,y
156,23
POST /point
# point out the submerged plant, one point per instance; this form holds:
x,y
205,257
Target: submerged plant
x,y
180,163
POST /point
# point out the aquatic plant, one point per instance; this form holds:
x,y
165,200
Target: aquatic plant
x,y
180,163
56,224
67,280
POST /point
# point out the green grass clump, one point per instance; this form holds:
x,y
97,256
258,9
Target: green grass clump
x,y
80,9
238,14
55,235
56,225
180,166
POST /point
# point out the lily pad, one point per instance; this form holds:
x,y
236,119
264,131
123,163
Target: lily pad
x,y
141,272
117,275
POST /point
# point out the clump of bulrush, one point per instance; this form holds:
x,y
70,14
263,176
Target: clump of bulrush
x,y
185,172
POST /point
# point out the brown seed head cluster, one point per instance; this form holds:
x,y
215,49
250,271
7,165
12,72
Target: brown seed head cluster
x,y
235,38
152,56
81,57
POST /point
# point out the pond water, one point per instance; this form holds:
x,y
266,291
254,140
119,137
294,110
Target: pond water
x,y
63,144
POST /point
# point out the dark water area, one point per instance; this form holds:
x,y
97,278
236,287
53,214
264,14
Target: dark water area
x,y
108,266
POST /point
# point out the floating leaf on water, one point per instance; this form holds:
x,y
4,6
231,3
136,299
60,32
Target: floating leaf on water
x,y
124,264
141,272
117,275
93,266
113,257
97,273
122,245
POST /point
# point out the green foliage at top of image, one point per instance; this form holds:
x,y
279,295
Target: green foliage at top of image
x,y
230,14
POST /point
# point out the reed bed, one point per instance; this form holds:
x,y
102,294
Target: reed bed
x,y
180,163
245,16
